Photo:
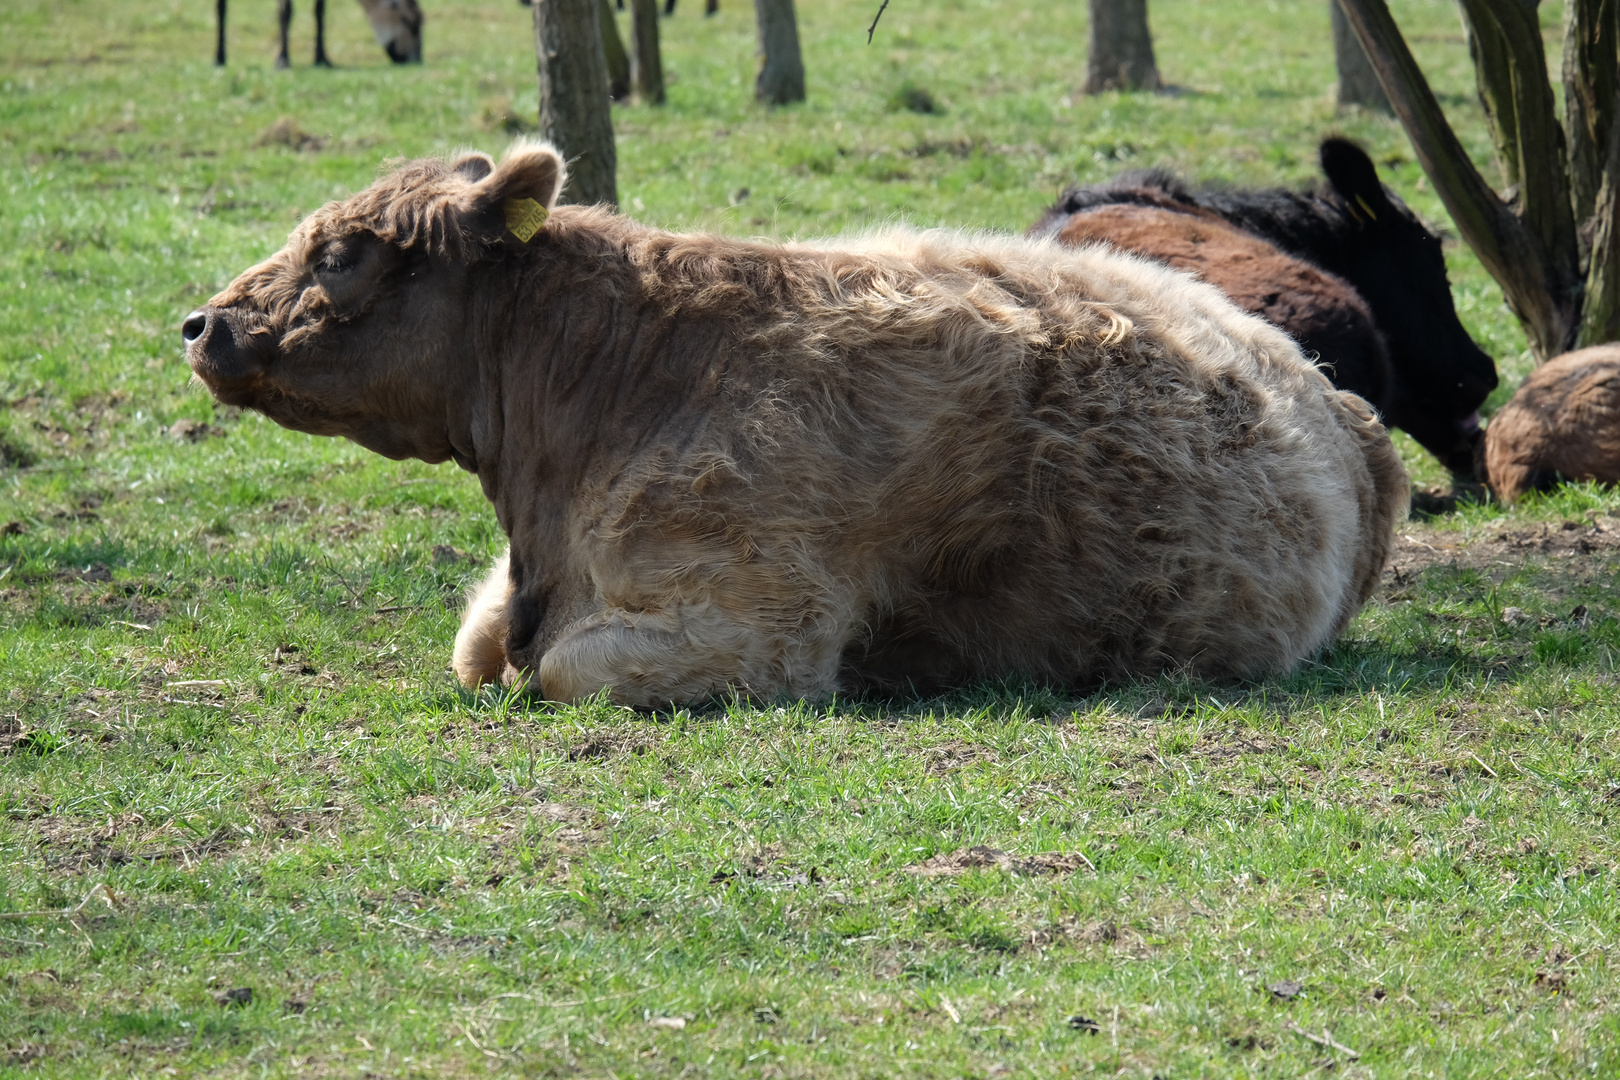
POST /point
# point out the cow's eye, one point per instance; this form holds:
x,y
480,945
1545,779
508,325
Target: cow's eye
x,y
335,262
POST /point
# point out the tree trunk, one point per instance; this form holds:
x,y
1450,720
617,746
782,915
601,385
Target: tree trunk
x,y
1358,84
1121,56
575,114
1527,239
1590,89
1591,86
1600,308
646,69
618,61
781,68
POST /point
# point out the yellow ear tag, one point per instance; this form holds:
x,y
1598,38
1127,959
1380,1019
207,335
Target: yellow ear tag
x,y
525,217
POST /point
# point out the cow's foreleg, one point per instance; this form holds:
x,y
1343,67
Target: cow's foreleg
x,y
219,33
284,16
693,653
480,652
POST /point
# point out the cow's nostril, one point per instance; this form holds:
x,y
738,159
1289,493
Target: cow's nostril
x,y
195,324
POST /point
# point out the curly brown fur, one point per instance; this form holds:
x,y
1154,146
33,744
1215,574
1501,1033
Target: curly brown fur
x,y
1563,424
793,469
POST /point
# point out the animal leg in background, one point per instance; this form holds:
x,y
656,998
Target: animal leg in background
x,y
396,24
320,35
284,14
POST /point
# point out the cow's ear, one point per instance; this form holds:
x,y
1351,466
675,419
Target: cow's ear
x,y
1352,174
473,166
512,202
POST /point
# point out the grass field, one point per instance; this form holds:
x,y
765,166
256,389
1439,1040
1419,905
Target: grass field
x,y
250,826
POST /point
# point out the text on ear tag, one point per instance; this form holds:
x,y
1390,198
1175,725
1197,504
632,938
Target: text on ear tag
x,y
525,217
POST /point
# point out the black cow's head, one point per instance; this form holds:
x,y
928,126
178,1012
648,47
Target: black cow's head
x,y
1440,376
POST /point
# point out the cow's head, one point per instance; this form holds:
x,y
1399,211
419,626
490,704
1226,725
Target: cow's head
x,y
397,25
1396,263
360,325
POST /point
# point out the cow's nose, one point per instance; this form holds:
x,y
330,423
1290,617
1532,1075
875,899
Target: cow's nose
x,y
194,327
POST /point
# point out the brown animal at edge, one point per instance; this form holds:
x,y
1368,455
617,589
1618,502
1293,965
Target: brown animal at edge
x,y
877,462
1327,317
1562,424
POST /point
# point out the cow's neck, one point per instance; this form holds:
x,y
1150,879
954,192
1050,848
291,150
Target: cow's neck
x,y
550,398
1307,226
583,371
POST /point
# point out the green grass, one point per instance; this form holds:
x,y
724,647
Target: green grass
x,y
229,739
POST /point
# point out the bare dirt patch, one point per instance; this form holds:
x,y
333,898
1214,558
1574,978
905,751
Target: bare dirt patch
x,y
579,826
75,845
946,758
983,857
23,1054
769,867
1076,932
610,743
287,132
1237,742
193,430
1504,544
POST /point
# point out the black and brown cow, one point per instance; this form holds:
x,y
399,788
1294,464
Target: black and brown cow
x,y
1347,269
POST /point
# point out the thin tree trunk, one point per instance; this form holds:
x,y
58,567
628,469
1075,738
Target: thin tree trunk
x,y
1591,94
575,115
1590,88
1511,66
1526,244
1600,306
781,67
618,61
1358,84
1121,56
646,68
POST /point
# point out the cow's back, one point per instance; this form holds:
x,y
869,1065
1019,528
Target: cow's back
x,y
1328,318
1083,465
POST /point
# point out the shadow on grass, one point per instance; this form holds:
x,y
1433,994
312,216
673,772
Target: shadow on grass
x,y
1348,670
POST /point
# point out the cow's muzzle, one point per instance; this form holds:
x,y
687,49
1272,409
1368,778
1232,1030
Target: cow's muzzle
x,y
222,353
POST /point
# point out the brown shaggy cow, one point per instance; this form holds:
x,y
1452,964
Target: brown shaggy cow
x,y
793,469
1563,424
